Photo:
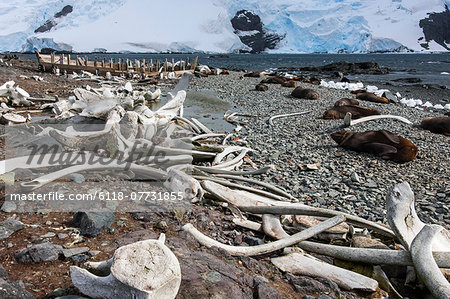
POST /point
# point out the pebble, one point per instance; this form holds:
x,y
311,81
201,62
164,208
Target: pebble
x,y
62,236
77,178
48,235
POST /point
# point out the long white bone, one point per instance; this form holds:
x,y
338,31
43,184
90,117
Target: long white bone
x,y
348,121
264,248
424,263
286,115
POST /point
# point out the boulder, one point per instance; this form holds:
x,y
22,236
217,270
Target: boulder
x,y
93,223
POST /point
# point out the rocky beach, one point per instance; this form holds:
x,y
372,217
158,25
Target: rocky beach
x,y
37,249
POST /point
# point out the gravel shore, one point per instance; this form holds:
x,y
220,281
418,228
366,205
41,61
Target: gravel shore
x,y
347,181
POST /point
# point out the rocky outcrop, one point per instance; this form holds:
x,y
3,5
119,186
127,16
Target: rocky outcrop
x,y
250,29
437,27
349,68
49,24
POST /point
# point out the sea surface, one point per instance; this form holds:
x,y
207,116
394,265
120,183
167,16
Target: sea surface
x,y
430,68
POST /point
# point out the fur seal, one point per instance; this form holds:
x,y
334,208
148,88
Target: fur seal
x,y
381,143
289,83
357,91
274,80
304,93
439,124
357,112
261,87
371,97
346,102
314,81
253,75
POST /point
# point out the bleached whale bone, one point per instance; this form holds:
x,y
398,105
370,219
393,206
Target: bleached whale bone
x,y
141,270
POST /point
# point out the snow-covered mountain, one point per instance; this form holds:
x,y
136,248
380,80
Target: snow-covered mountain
x,y
280,26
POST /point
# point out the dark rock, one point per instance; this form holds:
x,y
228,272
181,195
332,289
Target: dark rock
x,y
11,289
58,293
408,80
307,285
436,27
252,241
49,24
9,226
260,39
219,56
74,251
79,258
264,291
44,252
349,67
261,87
323,296
304,93
64,12
92,224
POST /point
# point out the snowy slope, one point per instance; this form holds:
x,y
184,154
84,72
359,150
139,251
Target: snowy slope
x,y
204,25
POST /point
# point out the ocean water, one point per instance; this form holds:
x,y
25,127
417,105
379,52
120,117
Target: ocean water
x,y
430,68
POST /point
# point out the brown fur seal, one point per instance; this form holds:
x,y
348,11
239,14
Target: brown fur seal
x,y
370,97
357,91
314,81
289,83
261,87
304,93
252,75
274,80
381,143
439,124
357,112
346,102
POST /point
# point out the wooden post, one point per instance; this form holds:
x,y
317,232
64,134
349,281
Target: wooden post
x,y
195,63
119,64
180,67
85,61
61,59
158,65
104,62
53,57
95,61
150,64
68,59
112,62
173,65
77,62
165,65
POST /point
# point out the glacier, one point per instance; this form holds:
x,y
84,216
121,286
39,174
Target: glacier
x,y
350,26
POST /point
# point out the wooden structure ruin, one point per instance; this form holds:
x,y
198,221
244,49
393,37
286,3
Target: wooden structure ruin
x,y
116,67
